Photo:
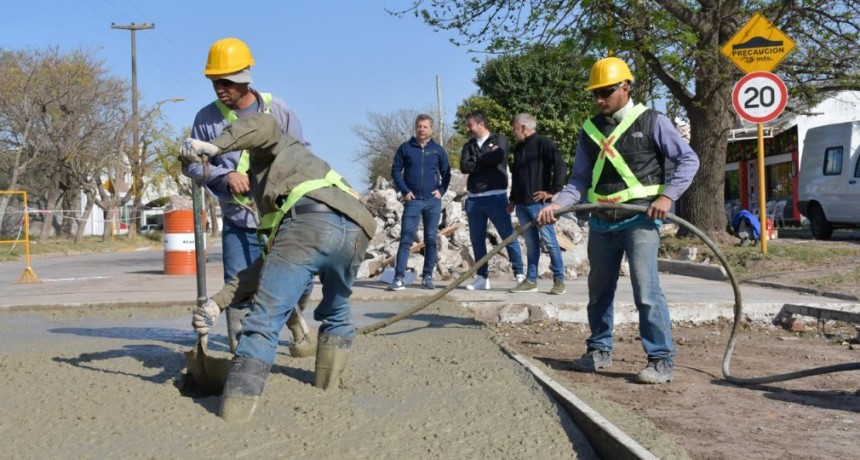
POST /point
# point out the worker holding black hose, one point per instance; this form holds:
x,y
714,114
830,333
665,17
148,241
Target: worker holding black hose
x,y
316,226
620,158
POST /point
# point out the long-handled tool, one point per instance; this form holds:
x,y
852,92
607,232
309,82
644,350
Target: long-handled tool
x,y
209,373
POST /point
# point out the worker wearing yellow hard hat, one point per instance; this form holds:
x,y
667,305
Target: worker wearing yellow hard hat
x,y
228,56
607,72
228,67
621,157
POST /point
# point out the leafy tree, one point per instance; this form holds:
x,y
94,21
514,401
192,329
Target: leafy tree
x,y
58,113
678,42
546,81
498,117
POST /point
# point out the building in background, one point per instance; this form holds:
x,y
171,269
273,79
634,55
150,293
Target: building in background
x,y
783,145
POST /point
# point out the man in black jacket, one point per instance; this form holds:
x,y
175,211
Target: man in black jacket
x,y
485,159
538,174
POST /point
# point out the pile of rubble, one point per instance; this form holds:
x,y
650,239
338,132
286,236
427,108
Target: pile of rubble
x,y
454,247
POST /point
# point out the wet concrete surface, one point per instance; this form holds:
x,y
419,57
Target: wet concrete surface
x,y
101,316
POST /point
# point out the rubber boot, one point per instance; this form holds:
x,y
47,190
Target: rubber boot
x,y
234,324
304,340
243,388
332,355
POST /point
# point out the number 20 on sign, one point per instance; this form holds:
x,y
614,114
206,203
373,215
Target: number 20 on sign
x,y
759,97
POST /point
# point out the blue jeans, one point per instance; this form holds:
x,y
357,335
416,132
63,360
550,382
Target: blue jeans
x,y
527,213
430,210
495,209
325,244
641,242
239,248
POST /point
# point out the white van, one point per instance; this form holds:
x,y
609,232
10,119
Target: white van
x,y
829,183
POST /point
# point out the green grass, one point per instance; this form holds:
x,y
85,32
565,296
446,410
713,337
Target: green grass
x,y
89,245
782,256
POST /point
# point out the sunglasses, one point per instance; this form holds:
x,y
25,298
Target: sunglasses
x,y
604,93
223,82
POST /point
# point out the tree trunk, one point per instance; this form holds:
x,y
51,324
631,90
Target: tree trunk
x,y
72,219
85,217
53,202
212,216
703,202
111,220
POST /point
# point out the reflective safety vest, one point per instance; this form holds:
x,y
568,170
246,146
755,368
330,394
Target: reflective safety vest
x,y
635,189
269,223
244,157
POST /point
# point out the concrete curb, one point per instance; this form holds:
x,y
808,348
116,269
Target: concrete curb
x,y
606,439
697,270
802,290
760,313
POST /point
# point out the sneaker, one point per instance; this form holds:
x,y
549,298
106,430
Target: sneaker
x,y
592,360
480,284
558,287
396,285
427,283
657,371
519,278
525,286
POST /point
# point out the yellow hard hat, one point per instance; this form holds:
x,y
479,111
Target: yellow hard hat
x,y
228,55
607,72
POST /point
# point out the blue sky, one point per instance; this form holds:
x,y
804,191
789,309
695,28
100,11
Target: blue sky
x,y
332,61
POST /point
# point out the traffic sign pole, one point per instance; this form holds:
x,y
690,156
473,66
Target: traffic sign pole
x,y
762,209
760,97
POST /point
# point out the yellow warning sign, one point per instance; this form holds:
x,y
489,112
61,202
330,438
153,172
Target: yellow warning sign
x,y
758,46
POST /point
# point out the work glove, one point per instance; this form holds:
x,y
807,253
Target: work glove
x,y
197,151
205,316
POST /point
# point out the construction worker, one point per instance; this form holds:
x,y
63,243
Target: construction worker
x,y
620,158
316,226
228,67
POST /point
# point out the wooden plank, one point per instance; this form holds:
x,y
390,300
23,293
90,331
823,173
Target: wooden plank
x,y
418,246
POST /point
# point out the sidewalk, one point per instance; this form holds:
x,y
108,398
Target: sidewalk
x,y
136,278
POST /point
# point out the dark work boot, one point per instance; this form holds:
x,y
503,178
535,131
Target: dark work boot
x,y
332,355
234,324
243,388
304,339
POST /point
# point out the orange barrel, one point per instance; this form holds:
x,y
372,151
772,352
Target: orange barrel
x,y
179,258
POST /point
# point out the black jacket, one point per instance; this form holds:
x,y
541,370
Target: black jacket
x,y
486,166
538,166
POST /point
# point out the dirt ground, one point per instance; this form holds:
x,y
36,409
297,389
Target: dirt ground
x,y
709,418
99,382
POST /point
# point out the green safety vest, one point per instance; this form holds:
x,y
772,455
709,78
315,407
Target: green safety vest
x,y
634,189
269,223
244,158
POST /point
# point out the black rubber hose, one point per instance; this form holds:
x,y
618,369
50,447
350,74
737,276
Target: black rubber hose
x,y
738,306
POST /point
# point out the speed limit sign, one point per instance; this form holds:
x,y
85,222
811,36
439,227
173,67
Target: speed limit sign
x,y
759,97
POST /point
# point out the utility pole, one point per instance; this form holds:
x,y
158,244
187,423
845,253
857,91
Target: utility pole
x,y
439,111
135,149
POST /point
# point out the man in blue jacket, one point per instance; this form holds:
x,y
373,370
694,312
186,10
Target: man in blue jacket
x,y
421,174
